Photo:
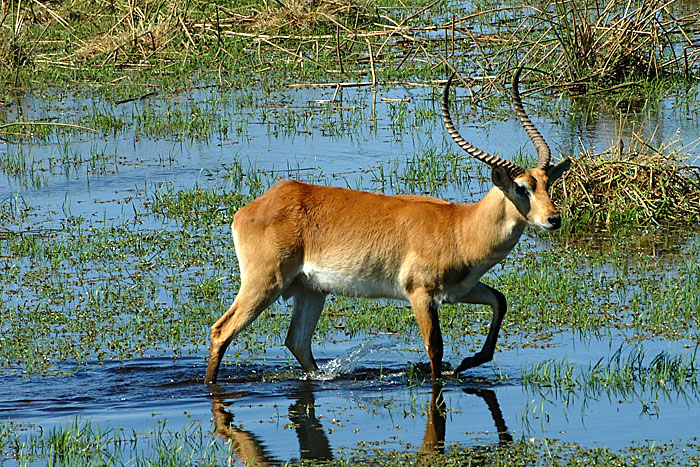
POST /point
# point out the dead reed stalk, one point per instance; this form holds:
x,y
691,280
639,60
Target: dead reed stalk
x,y
608,43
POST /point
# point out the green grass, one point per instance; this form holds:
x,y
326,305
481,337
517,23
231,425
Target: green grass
x,y
82,442
163,284
621,374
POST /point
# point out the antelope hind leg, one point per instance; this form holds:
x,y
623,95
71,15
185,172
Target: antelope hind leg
x,y
247,306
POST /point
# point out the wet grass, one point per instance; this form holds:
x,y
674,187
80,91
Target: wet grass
x,y
84,443
620,375
152,282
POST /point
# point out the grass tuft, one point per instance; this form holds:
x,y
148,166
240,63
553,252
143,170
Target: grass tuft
x,y
609,42
620,374
631,187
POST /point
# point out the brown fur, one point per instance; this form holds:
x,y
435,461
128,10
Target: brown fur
x,y
305,241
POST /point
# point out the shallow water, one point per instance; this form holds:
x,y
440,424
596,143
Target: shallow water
x,y
289,133
366,393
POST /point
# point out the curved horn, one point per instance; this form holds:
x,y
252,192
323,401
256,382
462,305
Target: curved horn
x,y
543,153
494,161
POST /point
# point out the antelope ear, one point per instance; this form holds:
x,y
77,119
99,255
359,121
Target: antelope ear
x,y
556,171
501,178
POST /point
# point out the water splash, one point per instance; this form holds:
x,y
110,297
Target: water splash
x,y
348,362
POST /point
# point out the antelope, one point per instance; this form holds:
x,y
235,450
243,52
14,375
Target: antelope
x,y
307,241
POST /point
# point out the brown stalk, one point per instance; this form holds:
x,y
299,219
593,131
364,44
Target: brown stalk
x,y
371,62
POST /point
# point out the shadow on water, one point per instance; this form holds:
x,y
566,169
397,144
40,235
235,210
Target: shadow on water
x,y
313,442
269,412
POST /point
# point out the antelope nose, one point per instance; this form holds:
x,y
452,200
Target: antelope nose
x,y
554,221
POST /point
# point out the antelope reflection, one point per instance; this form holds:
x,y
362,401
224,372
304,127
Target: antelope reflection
x,y
489,397
313,442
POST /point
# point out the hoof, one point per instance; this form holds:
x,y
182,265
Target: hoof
x,y
470,362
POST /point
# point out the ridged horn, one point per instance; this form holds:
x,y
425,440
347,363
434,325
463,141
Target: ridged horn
x,y
494,161
543,152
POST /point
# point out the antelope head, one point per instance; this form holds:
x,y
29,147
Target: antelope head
x,y
525,188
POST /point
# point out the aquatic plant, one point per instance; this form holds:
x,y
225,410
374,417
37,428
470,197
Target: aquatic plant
x,y
620,374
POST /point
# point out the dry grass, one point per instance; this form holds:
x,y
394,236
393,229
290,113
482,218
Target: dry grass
x,y
580,44
305,17
612,41
75,34
636,186
128,30
13,42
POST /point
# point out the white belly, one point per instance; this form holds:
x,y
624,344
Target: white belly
x,y
351,285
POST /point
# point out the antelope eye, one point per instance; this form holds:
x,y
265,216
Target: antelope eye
x,y
521,191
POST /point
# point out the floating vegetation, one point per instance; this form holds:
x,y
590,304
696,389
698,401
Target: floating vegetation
x,y
638,186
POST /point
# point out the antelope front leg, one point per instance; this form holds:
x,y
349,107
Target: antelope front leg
x,y
482,294
426,311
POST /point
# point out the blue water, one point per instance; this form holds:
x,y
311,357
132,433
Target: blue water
x,y
365,392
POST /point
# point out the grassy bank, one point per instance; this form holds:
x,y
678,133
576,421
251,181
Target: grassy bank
x,y
581,45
